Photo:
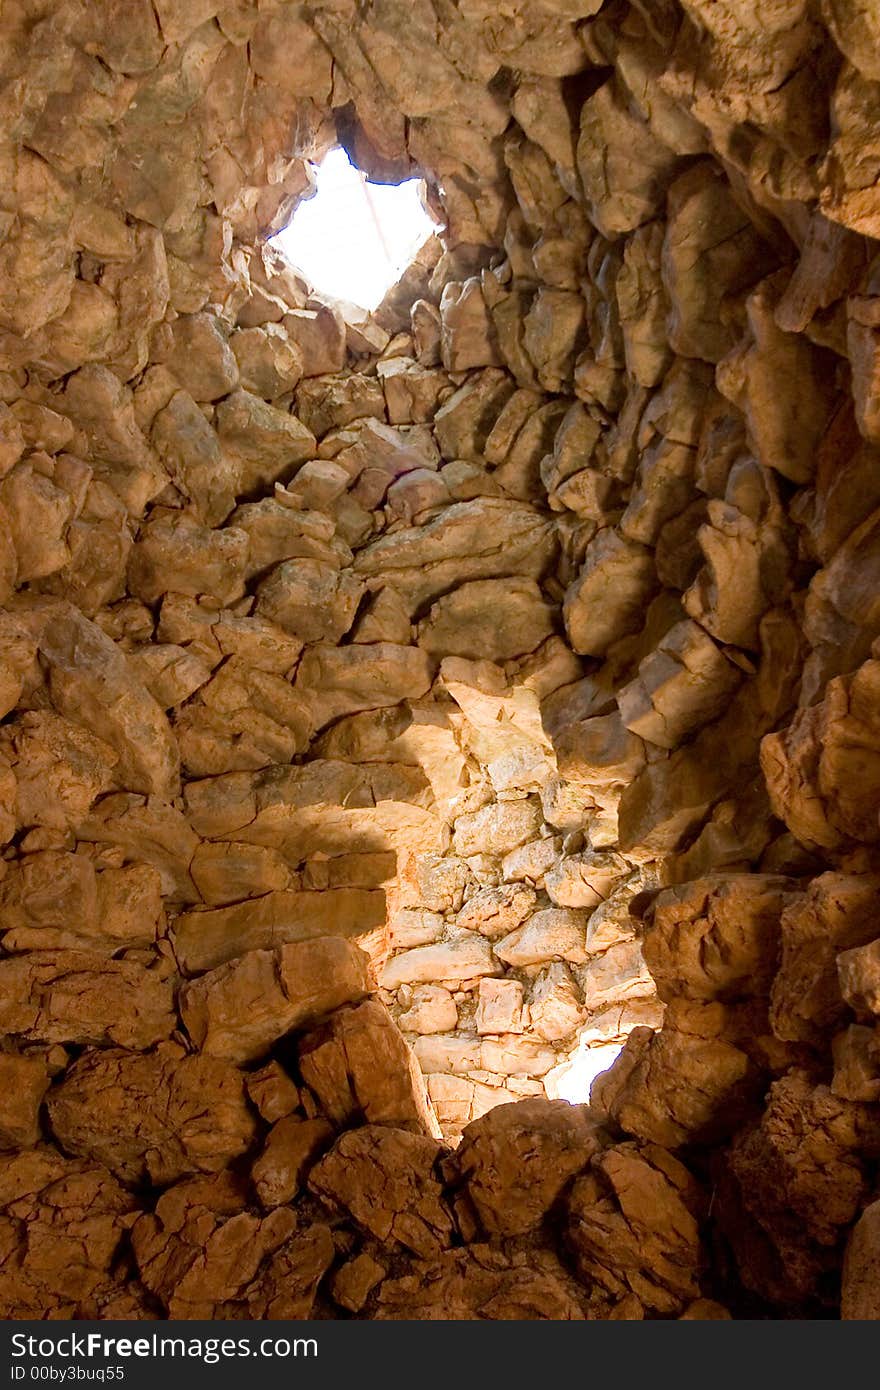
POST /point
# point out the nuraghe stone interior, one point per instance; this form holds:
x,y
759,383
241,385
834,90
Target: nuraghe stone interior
x,y
395,705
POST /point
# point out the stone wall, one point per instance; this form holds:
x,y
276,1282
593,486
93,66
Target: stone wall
x,y
501,666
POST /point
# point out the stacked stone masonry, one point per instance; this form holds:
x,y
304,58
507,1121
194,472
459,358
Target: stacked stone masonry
x,y
395,704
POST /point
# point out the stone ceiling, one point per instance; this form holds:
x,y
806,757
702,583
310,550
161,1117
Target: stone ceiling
x,y
391,704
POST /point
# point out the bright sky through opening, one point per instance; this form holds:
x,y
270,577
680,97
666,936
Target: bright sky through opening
x,y
354,239
572,1081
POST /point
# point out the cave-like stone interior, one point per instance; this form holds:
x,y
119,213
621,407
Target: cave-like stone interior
x,y
402,712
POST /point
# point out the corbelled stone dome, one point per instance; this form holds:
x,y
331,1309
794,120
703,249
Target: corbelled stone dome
x,y
404,713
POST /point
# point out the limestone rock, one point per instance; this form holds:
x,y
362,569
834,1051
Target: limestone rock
x,y
859,1293
855,32
497,911
277,532
238,1010
273,1093
82,997
856,1064
66,1221
413,926
330,402
466,333
710,252
324,807
553,331
240,719
461,958
745,573
170,672
201,359
619,973
318,334
716,938
480,1282
551,932
784,422
231,872
515,1162
532,860
457,1053
291,1149
188,559
862,349
628,191
463,422
612,921
358,1064
412,393
204,940
355,1281
261,645
269,362
458,1100
343,680
37,514
416,733
54,900
481,539
496,829
202,1255
150,830
840,619
822,770
799,1177
642,305
606,600
584,879
191,452
684,683
555,1009
617,1021
859,973
514,1055
662,490
267,441
847,198
676,1087
600,752
92,684
384,1179
491,619
499,1007
311,600
632,1226
431,1009
24,1082
160,1115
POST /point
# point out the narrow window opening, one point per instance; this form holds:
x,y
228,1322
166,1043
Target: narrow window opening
x,y
573,1079
354,239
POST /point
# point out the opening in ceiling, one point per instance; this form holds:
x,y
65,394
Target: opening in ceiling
x,y
354,239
